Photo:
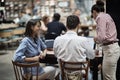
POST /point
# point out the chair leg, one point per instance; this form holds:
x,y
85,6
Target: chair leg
x,y
57,77
101,74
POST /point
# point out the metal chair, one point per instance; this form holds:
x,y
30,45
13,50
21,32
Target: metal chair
x,y
18,69
79,68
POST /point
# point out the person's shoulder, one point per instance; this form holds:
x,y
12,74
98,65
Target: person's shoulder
x,y
59,38
60,22
82,38
49,23
108,15
25,39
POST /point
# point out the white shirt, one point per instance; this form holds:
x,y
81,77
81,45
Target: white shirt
x,y
70,47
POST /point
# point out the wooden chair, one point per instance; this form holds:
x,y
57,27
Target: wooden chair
x,y
73,67
18,69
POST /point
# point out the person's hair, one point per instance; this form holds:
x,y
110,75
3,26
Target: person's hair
x,y
98,7
31,23
56,16
101,5
72,22
44,18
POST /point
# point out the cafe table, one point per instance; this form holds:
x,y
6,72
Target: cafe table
x,y
50,58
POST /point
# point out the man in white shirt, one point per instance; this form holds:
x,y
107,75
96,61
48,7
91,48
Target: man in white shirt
x,y
70,46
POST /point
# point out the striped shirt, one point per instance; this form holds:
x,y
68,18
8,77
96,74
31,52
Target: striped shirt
x,y
105,28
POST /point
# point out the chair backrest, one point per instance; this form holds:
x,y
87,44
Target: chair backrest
x,y
18,69
74,67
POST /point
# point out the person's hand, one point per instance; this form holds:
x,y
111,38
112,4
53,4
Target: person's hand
x,y
95,40
36,58
42,55
96,52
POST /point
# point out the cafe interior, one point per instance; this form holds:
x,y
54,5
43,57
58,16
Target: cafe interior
x,y
12,32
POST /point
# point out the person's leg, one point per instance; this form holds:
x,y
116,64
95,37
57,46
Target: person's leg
x,y
95,69
49,73
100,66
111,55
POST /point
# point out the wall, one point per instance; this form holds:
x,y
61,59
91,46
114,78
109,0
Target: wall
x,y
113,8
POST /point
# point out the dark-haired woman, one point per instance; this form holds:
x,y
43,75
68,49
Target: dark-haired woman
x,y
31,49
107,36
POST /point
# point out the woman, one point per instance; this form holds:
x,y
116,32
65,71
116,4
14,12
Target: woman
x,y
44,28
107,36
31,49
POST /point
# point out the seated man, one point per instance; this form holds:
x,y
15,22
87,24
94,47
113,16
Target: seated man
x,y
70,46
55,27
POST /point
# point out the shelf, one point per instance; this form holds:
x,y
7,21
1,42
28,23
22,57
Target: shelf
x,y
14,7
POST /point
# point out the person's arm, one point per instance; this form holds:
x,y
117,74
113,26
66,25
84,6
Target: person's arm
x,y
64,28
55,47
101,30
43,53
19,55
43,49
43,27
32,59
90,53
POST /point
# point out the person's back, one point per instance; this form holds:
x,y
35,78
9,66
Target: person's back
x,y
55,27
71,47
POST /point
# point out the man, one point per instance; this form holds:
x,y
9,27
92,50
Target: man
x,y
107,36
70,46
55,27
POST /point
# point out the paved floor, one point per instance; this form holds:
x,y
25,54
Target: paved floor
x,y
6,68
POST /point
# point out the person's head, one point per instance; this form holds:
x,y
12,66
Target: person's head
x,y
56,17
32,28
45,19
76,12
97,8
101,5
72,22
